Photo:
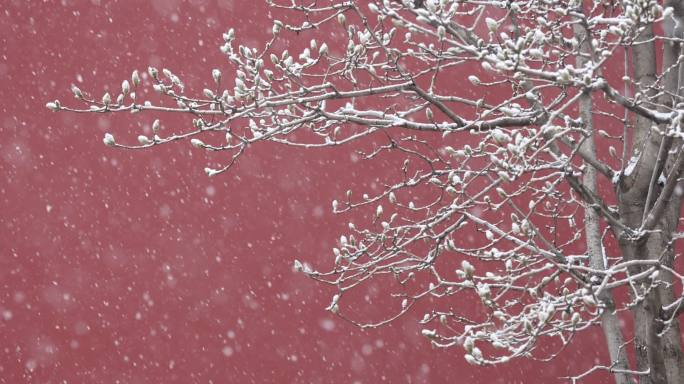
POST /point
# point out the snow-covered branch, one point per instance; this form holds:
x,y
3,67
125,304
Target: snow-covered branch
x,y
500,112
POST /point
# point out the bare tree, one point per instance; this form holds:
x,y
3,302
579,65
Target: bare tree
x,y
505,198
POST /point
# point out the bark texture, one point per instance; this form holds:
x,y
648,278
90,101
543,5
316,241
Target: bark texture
x,y
650,207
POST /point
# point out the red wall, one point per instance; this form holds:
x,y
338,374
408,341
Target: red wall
x,y
136,267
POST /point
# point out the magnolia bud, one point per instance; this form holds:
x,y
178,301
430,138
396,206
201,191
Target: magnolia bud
x,y
135,78
429,333
467,268
210,172
298,267
576,318
106,99
154,73
53,106
216,75
333,307
277,25
125,87
144,140
77,92
441,32
492,24
429,114
109,140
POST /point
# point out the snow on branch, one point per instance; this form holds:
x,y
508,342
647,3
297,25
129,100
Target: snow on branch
x,y
482,100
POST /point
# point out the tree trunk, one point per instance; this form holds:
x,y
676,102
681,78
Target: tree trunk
x,y
592,227
658,354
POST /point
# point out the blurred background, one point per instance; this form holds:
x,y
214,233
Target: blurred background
x,y
135,267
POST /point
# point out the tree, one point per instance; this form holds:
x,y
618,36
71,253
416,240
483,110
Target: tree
x,y
503,179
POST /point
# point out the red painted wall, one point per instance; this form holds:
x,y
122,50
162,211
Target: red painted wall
x,y
134,267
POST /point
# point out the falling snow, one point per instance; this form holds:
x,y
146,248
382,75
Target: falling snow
x,y
127,266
